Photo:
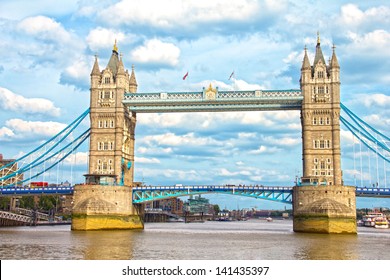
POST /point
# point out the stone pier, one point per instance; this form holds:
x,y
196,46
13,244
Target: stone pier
x,y
324,209
98,207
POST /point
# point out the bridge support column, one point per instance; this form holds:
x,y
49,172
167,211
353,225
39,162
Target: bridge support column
x,y
97,207
324,209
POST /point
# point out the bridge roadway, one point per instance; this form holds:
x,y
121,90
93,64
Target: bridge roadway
x,y
149,193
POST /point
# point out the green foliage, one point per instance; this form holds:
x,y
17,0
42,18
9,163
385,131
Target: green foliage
x,y
216,209
4,203
48,202
27,202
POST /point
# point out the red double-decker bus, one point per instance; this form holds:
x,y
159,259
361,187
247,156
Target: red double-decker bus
x,y
39,184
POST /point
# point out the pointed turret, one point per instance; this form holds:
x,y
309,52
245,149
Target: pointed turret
x,y
95,74
306,63
306,69
121,67
334,62
95,69
133,82
334,69
319,56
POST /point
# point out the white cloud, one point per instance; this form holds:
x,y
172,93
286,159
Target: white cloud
x,y
78,158
173,175
101,38
226,173
376,40
77,74
146,160
282,141
155,51
153,150
17,128
352,15
265,150
374,100
17,103
170,139
6,133
174,13
45,28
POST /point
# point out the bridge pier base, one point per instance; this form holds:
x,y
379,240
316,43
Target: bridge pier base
x,y
324,209
97,207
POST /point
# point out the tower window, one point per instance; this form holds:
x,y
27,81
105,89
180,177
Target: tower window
x,y
321,89
320,74
327,120
314,121
107,80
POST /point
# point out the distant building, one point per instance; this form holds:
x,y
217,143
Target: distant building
x,y
9,169
198,205
173,205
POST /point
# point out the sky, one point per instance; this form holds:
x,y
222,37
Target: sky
x,y
47,50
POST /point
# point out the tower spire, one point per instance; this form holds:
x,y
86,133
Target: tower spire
x,y
306,62
319,56
334,62
318,38
121,67
133,81
115,48
95,68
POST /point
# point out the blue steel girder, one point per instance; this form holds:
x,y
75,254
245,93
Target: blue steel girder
x,y
256,100
146,194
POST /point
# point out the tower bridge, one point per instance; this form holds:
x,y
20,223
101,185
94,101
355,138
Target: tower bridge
x,y
109,198
323,205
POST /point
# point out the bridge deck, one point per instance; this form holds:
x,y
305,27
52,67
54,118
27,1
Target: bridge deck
x,y
148,193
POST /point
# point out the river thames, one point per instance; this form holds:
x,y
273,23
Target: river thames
x,y
244,240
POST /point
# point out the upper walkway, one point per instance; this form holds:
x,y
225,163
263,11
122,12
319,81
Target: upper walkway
x,y
213,100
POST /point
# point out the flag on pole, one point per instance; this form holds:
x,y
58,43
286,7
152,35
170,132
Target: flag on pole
x,y
231,75
185,76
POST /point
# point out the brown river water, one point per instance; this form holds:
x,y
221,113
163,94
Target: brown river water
x,y
244,240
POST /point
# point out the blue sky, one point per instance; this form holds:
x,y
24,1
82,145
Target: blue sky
x,y
47,52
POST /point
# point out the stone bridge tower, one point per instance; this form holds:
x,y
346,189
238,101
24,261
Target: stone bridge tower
x,y
105,201
111,152
321,202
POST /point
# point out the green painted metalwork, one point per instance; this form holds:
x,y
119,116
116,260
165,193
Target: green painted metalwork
x,y
147,194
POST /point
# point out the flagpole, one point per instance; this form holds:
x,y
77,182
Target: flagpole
x,y
185,79
233,75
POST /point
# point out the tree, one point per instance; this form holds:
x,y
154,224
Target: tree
x,y
4,203
216,209
27,202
